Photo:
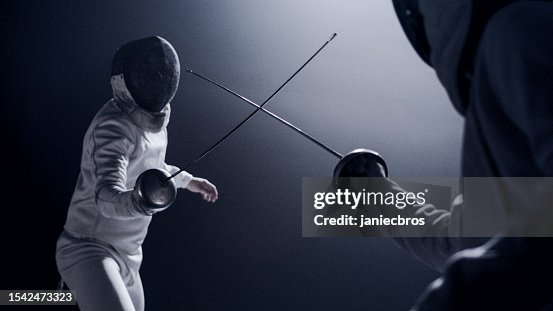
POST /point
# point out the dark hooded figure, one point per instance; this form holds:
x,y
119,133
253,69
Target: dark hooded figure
x,y
99,252
495,60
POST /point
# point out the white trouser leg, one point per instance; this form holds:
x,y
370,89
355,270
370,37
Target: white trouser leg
x,y
95,277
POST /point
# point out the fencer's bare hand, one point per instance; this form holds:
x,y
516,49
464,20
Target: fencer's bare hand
x,y
205,188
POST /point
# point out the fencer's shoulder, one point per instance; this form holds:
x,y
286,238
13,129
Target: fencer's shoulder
x,y
110,118
111,113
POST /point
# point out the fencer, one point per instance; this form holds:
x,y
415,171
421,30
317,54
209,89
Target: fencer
x,y
99,252
494,60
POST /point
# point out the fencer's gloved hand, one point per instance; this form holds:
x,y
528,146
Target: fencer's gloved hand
x,y
503,274
204,187
154,192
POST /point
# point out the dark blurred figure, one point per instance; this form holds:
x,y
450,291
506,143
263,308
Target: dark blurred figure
x,y
495,60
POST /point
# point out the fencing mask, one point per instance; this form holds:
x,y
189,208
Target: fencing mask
x,y
151,70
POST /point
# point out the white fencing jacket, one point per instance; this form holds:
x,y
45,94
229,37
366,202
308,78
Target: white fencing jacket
x,y
122,141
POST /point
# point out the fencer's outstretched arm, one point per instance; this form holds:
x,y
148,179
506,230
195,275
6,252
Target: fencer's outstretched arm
x,y
205,188
112,143
182,179
433,243
185,180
